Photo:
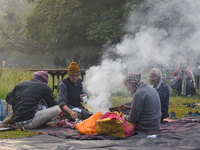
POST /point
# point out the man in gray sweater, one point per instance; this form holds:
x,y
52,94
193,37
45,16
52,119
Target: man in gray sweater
x,y
146,108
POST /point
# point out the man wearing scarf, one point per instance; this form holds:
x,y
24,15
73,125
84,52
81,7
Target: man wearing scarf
x,y
146,108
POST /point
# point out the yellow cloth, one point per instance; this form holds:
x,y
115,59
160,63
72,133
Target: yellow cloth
x,y
131,125
73,69
112,124
87,126
110,127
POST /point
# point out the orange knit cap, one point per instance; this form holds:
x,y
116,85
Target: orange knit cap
x,y
73,69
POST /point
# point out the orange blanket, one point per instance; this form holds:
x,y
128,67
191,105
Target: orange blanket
x,y
87,126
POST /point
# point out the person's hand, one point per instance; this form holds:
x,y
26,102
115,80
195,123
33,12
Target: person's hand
x,y
73,115
121,107
122,115
81,96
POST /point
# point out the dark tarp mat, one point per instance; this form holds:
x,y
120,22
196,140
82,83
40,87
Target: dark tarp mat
x,y
182,134
168,126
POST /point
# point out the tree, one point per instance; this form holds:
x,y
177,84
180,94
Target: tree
x,y
68,23
12,18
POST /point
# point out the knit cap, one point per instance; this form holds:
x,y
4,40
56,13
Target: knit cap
x,y
134,81
73,69
43,75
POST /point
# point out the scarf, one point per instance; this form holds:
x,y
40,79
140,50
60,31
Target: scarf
x,y
134,81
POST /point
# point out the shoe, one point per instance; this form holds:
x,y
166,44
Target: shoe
x,y
188,114
172,115
190,106
195,114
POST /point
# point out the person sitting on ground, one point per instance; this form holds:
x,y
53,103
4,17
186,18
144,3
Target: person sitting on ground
x,y
27,96
146,108
186,77
162,88
70,94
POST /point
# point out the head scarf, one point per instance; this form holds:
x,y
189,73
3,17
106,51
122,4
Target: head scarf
x,y
134,81
73,69
43,75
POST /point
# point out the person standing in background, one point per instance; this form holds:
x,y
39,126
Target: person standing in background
x,y
186,77
56,62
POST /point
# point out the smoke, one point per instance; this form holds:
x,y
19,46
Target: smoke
x,y
102,81
158,32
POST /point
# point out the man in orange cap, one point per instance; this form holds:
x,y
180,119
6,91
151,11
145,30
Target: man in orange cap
x,y
70,94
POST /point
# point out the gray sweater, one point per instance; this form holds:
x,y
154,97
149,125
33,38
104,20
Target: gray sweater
x,y
146,109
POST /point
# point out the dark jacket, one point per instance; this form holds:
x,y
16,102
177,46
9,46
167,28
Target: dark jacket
x,y
69,93
163,91
26,96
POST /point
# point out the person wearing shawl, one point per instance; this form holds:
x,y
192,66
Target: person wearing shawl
x,y
26,99
145,109
185,75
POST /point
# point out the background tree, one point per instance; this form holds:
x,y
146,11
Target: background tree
x,y
69,23
12,19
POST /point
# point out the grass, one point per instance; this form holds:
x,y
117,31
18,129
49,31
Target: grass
x,y
10,77
175,102
16,134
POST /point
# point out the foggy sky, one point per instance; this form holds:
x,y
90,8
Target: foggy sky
x,y
164,33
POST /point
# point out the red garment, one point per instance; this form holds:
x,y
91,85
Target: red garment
x,y
178,71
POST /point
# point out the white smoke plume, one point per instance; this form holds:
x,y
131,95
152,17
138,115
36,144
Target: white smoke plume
x,y
102,81
158,32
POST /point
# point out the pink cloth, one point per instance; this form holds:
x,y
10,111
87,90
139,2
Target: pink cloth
x,y
67,124
169,120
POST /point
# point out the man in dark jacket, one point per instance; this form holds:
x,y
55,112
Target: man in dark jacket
x,y
70,94
162,88
27,96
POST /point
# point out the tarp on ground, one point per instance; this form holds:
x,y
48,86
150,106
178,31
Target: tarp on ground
x,y
182,134
168,126
184,140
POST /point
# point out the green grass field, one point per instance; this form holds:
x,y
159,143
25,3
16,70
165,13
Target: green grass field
x,y
10,77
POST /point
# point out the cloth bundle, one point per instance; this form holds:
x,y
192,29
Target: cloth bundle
x,y
87,126
9,119
67,124
111,123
